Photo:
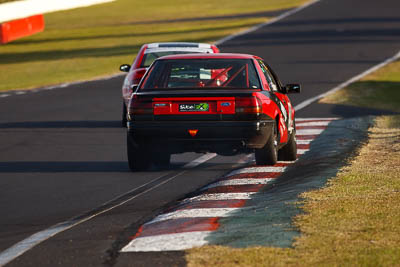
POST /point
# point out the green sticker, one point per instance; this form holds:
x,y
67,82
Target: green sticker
x,y
202,107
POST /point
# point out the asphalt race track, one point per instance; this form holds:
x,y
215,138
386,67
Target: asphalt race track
x,y
63,152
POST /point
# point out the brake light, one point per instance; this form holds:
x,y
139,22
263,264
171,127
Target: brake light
x,y
140,107
137,76
215,49
193,132
248,105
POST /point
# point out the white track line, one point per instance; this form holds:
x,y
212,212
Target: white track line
x,y
200,160
194,213
346,83
168,242
242,181
252,29
23,246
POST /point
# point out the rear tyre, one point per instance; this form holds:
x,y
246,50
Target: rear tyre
x,y
138,156
124,114
289,151
268,155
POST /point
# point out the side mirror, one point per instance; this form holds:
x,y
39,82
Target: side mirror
x,y
125,67
292,88
134,87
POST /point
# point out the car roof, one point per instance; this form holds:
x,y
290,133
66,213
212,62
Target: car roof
x,y
179,47
210,56
178,44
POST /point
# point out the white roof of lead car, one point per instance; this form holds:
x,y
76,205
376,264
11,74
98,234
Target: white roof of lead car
x,y
188,49
179,44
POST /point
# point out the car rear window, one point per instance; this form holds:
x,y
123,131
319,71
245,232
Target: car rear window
x,y
149,58
202,73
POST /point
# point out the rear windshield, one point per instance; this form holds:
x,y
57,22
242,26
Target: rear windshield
x,y
202,73
150,57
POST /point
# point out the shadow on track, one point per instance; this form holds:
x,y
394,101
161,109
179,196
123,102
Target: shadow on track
x,y
63,166
75,166
61,124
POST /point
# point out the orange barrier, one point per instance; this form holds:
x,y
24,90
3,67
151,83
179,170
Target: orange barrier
x,y
19,28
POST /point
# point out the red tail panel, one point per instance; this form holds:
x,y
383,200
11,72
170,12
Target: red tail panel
x,y
194,105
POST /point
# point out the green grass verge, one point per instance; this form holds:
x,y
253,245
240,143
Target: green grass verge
x,y
91,42
380,90
355,219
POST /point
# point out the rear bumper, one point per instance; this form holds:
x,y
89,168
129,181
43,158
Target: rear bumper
x,y
210,134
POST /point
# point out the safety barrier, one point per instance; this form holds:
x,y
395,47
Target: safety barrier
x,y
19,28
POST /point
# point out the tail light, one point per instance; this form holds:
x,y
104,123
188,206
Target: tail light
x,y
137,76
140,106
215,48
248,105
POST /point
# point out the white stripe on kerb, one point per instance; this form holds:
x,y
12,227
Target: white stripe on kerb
x,y
219,196
242,181
309,131
313,123
4,95
315,119
256,170
194,213
301,151
303,142
168,242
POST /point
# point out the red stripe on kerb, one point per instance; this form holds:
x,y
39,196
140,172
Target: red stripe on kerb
x,y
307,137
279,164
310,127
205,204
181,225
303,146
254,175
235,189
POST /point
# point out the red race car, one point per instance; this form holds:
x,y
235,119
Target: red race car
x,y
147,54
222,103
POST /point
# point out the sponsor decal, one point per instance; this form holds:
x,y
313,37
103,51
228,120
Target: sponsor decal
x,y
194,107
